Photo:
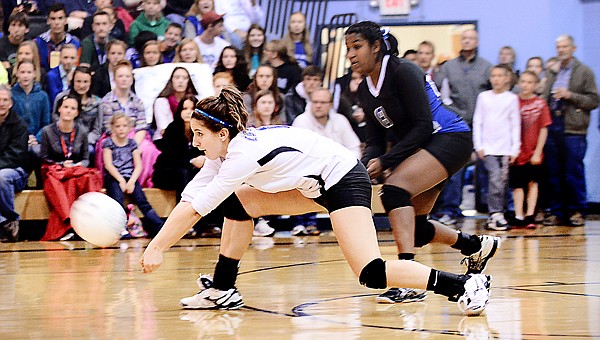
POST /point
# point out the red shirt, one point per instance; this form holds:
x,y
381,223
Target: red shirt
x,y
534,116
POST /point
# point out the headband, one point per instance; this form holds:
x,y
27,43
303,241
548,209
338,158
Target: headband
x,y
213,118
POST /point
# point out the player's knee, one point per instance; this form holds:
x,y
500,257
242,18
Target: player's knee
x,y
424,231
234,210
393,197
373,275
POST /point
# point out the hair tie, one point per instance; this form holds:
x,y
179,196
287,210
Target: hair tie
x,y
213,118
385,32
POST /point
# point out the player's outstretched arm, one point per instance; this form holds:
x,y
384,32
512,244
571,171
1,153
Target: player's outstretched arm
x,y
181,219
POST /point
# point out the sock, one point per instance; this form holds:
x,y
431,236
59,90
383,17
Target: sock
x,y
519,217
467,244
447,284
406,256
225,273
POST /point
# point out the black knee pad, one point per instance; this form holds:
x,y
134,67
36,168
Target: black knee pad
x,y
424,231
373,275
393,197
234,210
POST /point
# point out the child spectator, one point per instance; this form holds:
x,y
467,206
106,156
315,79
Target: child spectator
x,y
165,106
90,117
497,139
58,78
123,166
66,176
263,112
150,54
28,51
50,42
526,170
209,42
536,65
220,80
264,79
297,40
103,77
253,47
173,37
289,74
193,28
30,102
93,47
151,19
233,62
188,52
123,100
18,27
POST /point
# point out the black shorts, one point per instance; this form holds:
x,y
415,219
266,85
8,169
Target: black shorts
x,y
354,189
521,175
453,149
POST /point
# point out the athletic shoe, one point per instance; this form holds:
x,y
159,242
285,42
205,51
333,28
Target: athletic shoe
x,y
312,230
577,220
204,281
212,298
263,229
447,220
530,222
497,222
402,295
298,230
551,220
476,295
9,231
477,262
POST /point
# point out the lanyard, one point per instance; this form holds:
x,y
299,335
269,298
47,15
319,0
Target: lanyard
x,y
67,151
100,53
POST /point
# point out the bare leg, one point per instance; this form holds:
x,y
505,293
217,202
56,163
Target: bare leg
x,y
532,196
236,238
519,198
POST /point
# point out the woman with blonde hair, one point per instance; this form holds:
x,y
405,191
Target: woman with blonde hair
x,y
297,40
188,52
192,27
28,50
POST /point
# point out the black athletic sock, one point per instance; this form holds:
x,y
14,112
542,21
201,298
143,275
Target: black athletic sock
x,y
406,256
467,244
225,273
447,284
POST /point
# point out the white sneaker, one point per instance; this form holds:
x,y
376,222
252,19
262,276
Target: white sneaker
x,y
497,222
204,281
477,262
402,295
212,298
476,295
263,229
298,230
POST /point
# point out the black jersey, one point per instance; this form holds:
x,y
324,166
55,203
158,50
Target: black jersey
x,y
398,102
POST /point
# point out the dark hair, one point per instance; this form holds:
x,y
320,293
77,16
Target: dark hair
x,y
69,96
57,7
239,71
228,108
312,71
140,40
146,45
535,58
372,32
248,49
99,13
274,116
20,18
86,70
176,25
253,88
168,89
505,67
177,113
531,73
409,52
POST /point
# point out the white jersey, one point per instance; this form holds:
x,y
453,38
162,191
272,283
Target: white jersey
x,y
271,159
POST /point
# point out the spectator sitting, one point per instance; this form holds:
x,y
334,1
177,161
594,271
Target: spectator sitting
x,y
50,42
118,31
133,53
151,19
28,50
123,167
64,152
151,54
410,55
264,79
348,103
173,37
220,80
90,118
263,112
59,78
165,106
297,98
209,42
103,77
93,47
188,52
253,47
18,27
13,165
239,15
232,61
193,28
297,40
289,74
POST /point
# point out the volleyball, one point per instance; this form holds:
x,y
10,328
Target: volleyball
x,y
98,219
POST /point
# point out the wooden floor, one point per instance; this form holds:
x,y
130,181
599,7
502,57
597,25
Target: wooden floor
x,y
546,285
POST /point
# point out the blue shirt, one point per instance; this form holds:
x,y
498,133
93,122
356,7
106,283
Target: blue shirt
x,y
444,120
122,156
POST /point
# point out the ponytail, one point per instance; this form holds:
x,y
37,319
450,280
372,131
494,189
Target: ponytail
x,y
372,32
224,111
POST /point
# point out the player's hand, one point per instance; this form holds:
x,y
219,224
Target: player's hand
x,y
198,162
536,159
374,168
129,187
151,260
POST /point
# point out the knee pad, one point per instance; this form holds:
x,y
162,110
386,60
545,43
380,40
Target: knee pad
x,y
373,275
393,197
424,231
234,210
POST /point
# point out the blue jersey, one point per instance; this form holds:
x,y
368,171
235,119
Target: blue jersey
x,y
444,120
